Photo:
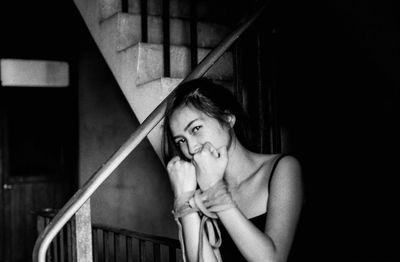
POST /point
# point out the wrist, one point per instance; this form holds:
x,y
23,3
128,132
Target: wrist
x,y
213,200
183,192
207,186
184,205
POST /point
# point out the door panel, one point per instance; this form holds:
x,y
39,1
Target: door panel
x,y
22,200
37,167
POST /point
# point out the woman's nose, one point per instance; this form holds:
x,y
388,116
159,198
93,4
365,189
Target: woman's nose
x,y
193,147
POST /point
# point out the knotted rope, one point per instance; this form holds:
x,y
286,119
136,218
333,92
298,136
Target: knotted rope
x,y
208,203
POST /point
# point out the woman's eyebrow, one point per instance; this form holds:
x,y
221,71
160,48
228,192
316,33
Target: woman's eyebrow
x,y
189,124
186,127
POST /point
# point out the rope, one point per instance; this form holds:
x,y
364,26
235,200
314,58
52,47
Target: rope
x,y
207,204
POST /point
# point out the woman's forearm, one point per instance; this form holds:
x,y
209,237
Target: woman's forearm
x,y
191,231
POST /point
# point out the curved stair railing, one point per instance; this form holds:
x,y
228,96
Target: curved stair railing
x,y
109,243
84,193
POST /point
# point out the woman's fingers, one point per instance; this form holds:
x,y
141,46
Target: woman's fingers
x,y
210,166
173,161
175,158
182,175
210,148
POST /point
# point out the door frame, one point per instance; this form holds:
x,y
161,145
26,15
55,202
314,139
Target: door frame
x,y
69,173
2,202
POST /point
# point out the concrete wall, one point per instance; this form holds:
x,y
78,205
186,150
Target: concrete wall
x,y
137,195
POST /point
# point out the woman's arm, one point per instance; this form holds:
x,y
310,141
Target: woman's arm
x,y
191,230
284,206
183,179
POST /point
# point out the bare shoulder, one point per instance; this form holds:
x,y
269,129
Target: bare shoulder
x,y
262,165
287,169
287,177
288,164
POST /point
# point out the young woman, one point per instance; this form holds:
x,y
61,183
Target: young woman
x,y
261,194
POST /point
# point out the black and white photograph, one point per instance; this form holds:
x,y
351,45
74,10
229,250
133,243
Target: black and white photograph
x,y
199,131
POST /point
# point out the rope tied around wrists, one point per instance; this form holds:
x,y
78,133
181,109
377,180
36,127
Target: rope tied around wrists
x,y
215,199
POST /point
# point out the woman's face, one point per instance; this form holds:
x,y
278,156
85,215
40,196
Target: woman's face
x,y
191,128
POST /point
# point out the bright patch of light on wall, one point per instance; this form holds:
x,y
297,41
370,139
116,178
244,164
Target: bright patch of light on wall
x,y
35,73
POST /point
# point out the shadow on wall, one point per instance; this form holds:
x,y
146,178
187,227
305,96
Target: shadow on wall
x,y
137,196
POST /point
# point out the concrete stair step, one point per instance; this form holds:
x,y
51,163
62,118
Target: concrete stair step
x,y
128,28
150,63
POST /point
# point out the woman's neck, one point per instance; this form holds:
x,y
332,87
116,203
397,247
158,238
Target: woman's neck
x,y
240,164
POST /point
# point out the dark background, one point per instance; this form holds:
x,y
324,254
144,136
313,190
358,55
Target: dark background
x,y
338,80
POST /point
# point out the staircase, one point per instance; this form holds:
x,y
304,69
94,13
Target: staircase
x,y
137,65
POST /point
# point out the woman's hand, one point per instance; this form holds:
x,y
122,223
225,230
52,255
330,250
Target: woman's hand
x,y
210,165
182,175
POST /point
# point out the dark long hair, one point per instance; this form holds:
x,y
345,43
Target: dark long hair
x,y
210,98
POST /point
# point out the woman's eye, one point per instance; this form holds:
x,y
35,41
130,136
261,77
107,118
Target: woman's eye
x,y
195,129
179,141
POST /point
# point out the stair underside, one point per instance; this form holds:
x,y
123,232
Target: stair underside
x,y
138,67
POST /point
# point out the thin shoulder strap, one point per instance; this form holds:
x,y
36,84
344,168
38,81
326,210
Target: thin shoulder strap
x,y
276,161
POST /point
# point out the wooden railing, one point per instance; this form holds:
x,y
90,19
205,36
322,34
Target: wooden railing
x,y
121,245
109,244
61,248
79,205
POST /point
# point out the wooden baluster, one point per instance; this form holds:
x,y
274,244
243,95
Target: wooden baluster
x,y
156,252
142,250
69,242
61,241
55,249
106,244
129,251
172,254
49,256
95,245
116,247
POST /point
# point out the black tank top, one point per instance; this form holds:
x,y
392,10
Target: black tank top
x,y
228,249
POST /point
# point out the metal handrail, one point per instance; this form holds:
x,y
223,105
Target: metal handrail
x,y
84,193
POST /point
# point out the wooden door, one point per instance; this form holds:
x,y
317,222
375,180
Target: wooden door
x,y
37,165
